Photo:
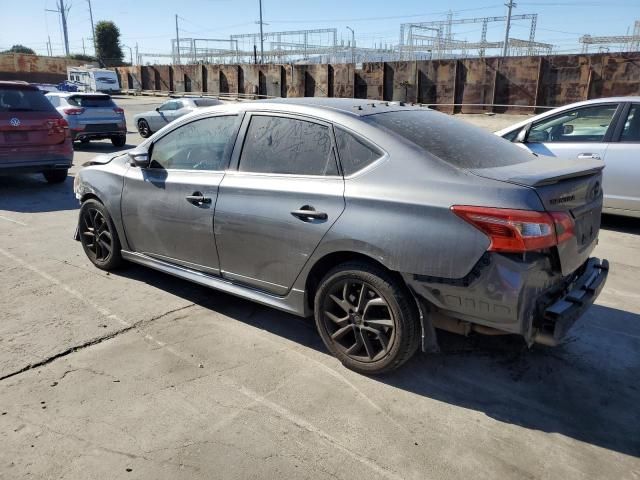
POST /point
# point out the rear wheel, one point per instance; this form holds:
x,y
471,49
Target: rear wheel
x,y
143,129
98,236
55,176
367,318
119,140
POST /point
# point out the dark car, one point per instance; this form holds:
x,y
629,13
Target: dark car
x,y
382,220
33,135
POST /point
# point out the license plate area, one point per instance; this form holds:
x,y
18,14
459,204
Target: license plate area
x,y
16,137
587,226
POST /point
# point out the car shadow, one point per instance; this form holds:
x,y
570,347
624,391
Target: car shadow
x,y
32,193
587,389
618,223
101,146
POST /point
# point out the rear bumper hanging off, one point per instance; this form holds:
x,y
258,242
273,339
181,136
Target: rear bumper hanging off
x,y
560,316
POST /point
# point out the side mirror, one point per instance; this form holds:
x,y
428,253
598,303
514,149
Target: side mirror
x,y
139,158
523,134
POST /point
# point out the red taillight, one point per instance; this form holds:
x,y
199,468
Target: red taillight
x,y
73,111
57,126
118,110
518,230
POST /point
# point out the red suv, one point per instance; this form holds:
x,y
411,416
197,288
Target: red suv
x,y
33,135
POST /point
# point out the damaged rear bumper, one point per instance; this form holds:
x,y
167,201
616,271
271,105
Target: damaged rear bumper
x,y
560,316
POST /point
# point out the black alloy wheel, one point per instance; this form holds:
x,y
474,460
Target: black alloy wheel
x,y
143,129
367,317
98,236
359,320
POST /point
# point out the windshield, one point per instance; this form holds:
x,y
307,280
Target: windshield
x,y
91,101
27,100
454,141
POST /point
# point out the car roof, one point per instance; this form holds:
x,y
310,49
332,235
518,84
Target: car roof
x,y
18,84
74,94
353,106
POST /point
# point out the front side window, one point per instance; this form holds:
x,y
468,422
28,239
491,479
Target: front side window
x,y
168,106
355,153
589,124
200,145
631,130
287,146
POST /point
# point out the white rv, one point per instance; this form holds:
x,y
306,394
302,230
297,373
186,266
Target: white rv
x,y
92,79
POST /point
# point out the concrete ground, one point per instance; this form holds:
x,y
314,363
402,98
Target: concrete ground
x,y
136,374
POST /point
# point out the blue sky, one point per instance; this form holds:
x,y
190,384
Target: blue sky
x,y
151,23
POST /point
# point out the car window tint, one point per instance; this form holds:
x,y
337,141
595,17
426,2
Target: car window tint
x,y
355,153
168,106
206,102
200,145
55,101
587,124
27,100
95,101
453,141
287,146
631,131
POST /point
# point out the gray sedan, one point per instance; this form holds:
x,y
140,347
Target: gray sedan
x,y
154,120
606,130
383,221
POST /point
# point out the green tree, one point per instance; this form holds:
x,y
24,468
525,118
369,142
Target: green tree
x,y
108,48
20,49
82,57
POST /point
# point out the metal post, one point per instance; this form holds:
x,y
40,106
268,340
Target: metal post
x,y
505,48
177,41
137,55
84,52
261,35
93,28
63,16
353,45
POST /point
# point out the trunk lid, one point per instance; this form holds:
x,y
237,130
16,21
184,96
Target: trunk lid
x,y
33,129
573,186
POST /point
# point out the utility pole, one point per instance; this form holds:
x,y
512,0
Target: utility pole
x,y
353,45
137,55
84,51
49,49
505,48
62,10
261,35
177,41
93,29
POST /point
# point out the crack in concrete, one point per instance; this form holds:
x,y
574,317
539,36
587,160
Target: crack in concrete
x,y
91,342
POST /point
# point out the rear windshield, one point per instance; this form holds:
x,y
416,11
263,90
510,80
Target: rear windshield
x,y
454,141
27,100
206,102
91,101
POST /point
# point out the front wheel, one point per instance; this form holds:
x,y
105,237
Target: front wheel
x,y
55,176
367,318
119,140
143,129
98,236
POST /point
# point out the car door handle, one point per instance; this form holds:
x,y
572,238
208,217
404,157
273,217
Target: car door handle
x,y
198,198
307,213
587,156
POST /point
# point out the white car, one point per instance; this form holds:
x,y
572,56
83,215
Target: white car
x,y
606,129
153,120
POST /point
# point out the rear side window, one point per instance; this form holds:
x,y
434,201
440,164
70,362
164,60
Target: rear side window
x,y
355,153
27,100
206,102
91,101
287,146
453,141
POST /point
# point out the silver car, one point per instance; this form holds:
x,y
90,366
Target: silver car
x,y
384,221
606,130
154,120
91,116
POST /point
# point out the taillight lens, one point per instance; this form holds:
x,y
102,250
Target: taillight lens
x,y
118,110
73,111
518,230
57,126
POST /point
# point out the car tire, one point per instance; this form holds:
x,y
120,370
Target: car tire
x,y
143,128
371,332
55,176
119,140
105,252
